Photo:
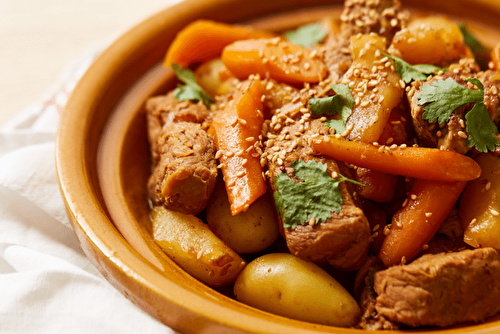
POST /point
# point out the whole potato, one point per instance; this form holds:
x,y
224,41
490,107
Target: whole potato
x,y
286,285
247,232
189,242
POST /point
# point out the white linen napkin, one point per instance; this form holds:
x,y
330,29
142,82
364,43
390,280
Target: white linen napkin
x,y
47,285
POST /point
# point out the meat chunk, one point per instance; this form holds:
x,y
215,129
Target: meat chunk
x,y
384,17
364,293
166,109
185,176
441,289
452,134
341,240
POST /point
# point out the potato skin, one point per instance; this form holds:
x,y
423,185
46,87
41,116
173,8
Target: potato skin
x,y
247,232
433,40
480,205
286,285
189,242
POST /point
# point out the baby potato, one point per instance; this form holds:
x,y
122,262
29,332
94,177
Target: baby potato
x,y
480,205
429,40
189,242
286,285
213,77
247,232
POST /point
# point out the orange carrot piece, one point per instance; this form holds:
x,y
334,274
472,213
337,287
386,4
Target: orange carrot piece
x,y
203,40
236,129
416,222
418,162
377,186
279,59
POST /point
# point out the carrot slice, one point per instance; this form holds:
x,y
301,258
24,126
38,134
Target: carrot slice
x,y
377,186
204,40
279,59
418,162
236,129
416,222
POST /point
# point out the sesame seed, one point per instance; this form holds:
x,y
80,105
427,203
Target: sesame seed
x,y
494,212
413,196
462,134
428,214
487,186
312,221
387,229
240,173
425,246
242,121
250,138
219,154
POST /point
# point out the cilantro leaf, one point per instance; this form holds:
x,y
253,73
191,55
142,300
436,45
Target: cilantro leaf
x,y
481,54
481,129
409,73
307,35
341,103
191,90
317,195
442,97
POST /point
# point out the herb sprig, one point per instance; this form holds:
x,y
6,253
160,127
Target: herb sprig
x,y
191,90
316,195
307,35
409,73
441,97
481,53
341,103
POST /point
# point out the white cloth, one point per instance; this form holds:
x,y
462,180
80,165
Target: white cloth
x,y
47,285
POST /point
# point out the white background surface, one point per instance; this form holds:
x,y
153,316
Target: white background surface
x,y
38,38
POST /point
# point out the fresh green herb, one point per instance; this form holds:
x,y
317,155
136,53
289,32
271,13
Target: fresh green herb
x,y
316,195
191,90
481,129
481,54
307,35
341,103
409,73
441,97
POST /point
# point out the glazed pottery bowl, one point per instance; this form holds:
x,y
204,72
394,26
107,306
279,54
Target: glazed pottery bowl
x,y
103,161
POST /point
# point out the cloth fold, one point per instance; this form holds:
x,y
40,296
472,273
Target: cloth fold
x,y
47,284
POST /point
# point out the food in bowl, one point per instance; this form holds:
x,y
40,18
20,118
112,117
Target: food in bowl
x,y
363,149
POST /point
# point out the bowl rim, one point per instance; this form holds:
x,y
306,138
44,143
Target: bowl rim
x,y
102,243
